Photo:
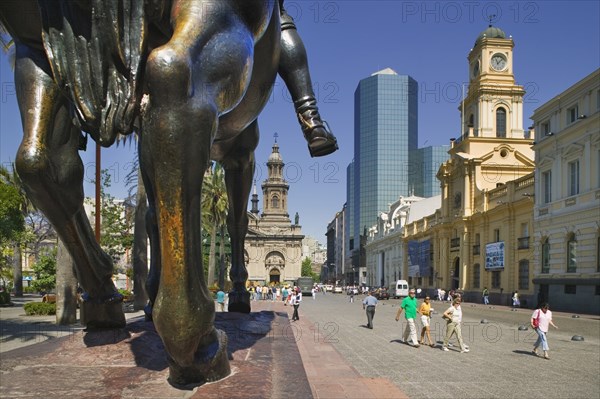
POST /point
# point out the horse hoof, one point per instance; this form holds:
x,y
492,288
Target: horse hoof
x,y
148,312
210,364
239,302
102,315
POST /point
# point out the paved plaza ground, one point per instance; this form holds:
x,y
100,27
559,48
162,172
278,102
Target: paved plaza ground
x,y
499,364
343,359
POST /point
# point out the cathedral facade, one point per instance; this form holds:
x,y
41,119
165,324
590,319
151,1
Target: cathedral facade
x,y
273,248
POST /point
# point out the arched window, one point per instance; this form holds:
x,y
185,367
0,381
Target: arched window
x,y
500,122
546,256
275,202
524,274
572,254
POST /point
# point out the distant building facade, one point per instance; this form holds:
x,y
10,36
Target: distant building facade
x,y
273,247
567,198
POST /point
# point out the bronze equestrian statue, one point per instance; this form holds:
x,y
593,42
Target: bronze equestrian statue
x,y
191,77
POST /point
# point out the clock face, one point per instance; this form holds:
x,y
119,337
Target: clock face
x,y
498,62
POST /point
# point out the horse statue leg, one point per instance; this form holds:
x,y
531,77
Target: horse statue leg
x,y
52,173
239,170
199,74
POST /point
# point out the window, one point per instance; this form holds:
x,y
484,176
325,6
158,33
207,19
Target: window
x,y
496,235
275,202
524,274
572,254
546,257
547,187
598,255
500,122
496,279
574,177
570,289
546,128
572,114
523,240
476,275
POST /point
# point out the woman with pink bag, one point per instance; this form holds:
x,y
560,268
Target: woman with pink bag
x,y
540,322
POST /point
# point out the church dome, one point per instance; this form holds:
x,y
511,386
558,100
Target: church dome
x,y
491,33
275,155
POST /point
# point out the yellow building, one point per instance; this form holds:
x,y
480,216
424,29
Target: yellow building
x,y
480,236
567,205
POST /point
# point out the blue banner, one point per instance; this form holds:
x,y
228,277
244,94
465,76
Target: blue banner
x,y
419,264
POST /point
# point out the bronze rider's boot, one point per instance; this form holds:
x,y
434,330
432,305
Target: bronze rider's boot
x,y
316,131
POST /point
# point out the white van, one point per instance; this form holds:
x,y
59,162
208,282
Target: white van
x,y
399,289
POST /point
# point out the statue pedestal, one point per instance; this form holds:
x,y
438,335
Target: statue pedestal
x,y
131,362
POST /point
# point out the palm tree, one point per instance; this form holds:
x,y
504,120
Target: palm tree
x,y
214,211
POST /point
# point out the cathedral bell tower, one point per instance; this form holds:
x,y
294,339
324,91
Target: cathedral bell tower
x,y
275,191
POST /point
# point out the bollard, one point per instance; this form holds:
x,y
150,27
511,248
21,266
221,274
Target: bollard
x,y
575,316
577,338
523,327
484,321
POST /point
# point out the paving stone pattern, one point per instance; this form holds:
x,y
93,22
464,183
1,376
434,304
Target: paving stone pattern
x,y
499,364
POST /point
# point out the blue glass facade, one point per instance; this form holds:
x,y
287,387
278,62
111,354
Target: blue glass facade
x,y
424,166
385,134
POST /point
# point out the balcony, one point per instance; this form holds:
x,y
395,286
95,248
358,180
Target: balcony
x,y
523,243
455,242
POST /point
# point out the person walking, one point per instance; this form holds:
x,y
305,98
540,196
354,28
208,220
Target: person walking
x,y
351,295
369,304
515,300
486,296
541,319
453,315
425,311
284,296
296,299
221,300
409,305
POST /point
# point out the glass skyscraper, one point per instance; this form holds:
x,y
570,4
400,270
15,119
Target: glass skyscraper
x,y
427,162
385,142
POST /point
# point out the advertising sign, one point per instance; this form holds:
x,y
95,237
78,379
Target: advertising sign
x,y
494,255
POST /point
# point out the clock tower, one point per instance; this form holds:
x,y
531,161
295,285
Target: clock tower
x,y
493,107
492,147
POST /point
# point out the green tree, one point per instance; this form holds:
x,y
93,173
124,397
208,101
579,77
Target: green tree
x,y
12,222
306,270
214,213
45,272
19,239
116,222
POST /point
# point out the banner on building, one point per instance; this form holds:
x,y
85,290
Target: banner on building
x,y
494,255
419,264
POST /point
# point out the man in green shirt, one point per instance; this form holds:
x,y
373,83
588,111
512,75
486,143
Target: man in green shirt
x,y
409,305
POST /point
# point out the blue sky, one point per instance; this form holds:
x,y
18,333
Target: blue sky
x,y
557,43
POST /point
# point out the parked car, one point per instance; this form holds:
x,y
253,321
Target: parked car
x,y
337,289
381,293
352,290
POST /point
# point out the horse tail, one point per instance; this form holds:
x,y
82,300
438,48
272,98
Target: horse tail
x,y
97,56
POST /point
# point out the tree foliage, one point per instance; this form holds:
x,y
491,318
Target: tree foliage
x,y
214,211
116,235
306,270
45,272
12,222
